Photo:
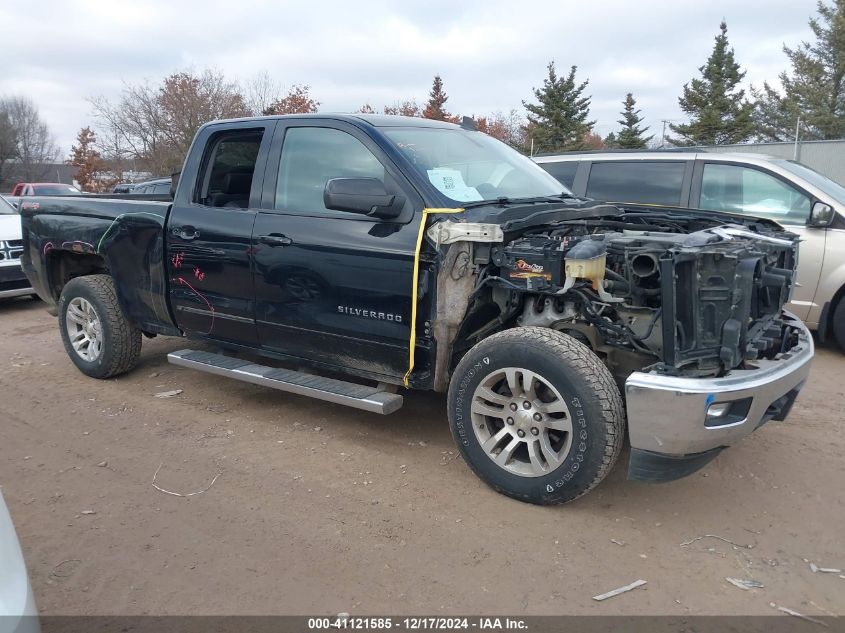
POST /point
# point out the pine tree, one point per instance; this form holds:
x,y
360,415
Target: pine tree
x,y
631,134
610,141
435,108
815,89
558,122
718,110
87,161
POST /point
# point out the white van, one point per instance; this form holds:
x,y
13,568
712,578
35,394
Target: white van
x,y
792,194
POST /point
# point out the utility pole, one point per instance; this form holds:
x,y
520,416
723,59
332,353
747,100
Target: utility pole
x,y
663,135
795,148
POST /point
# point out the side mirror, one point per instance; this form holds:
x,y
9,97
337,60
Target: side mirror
x,y
367,196
174,182
821,215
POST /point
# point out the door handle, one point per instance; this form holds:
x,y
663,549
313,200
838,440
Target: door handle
x,y
186,233
275,239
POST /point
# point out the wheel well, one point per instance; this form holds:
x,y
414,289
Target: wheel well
x,y
62,266
840,294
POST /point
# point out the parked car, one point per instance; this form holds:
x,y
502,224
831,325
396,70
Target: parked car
x,y
45,189
123,187
799,198
158,187
405,252
17,603
13,282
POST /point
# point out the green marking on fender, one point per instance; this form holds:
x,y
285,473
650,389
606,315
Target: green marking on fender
x,y
123,215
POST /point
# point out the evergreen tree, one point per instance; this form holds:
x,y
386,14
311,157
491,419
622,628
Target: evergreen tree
x,y
718,110
435,108
558,122
815,89
85,157
631,134
611,142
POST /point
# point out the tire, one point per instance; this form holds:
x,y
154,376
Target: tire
x,y
838,324
567,450
97,336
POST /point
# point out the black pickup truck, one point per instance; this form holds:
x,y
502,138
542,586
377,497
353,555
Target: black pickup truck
x,y
407,253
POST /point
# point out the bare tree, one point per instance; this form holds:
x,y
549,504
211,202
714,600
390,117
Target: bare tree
x,y
36,148
260,92
155,124
507,127
8,140
408,107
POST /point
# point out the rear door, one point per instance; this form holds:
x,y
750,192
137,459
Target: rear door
x,y
333,287
751,190
210,229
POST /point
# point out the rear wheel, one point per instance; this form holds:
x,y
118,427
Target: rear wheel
x,y
839,323
536,415
97,336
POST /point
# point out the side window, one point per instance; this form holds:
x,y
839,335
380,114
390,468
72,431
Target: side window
x,y
311,156
228,169
563,170
747,190
657,182
162,189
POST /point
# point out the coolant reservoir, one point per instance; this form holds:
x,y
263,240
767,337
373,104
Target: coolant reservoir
x,y
586,260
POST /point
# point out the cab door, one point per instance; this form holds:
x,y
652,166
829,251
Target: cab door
x,y
333,287
749,190
209,233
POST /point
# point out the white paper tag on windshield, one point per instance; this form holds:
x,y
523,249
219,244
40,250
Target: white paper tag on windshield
x,y
451,183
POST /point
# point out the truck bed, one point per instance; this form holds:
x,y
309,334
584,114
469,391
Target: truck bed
x,y
122,235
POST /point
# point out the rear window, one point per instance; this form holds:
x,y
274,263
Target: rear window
x,y
564,171
229,165
648,182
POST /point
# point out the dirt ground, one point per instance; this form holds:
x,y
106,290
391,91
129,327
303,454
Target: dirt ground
x,y
320,509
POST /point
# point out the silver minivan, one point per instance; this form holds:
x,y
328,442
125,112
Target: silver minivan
x,y
799,198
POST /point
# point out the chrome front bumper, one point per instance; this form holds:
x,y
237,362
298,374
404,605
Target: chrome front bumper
x,y
12,280
677,424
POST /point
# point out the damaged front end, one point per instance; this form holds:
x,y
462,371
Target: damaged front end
x,y
675,303
680,293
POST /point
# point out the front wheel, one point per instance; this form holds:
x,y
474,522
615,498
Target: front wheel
x,y
97,336
536,415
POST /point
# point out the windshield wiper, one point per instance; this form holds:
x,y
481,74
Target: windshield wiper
x,y
503,201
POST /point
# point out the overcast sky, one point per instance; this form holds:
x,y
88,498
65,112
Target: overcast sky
x,y
490,53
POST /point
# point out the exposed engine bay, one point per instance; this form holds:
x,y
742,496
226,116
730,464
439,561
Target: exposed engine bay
x,y
681,293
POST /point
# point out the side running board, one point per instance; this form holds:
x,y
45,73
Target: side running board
x,y
337,391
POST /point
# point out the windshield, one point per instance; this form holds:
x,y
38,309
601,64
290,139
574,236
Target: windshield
x,y
6,207
56,190
831,188
469,166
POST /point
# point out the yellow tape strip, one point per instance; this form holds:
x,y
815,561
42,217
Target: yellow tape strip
x,y
412,346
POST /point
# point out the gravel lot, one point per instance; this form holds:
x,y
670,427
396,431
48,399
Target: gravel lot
x,y
323,509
